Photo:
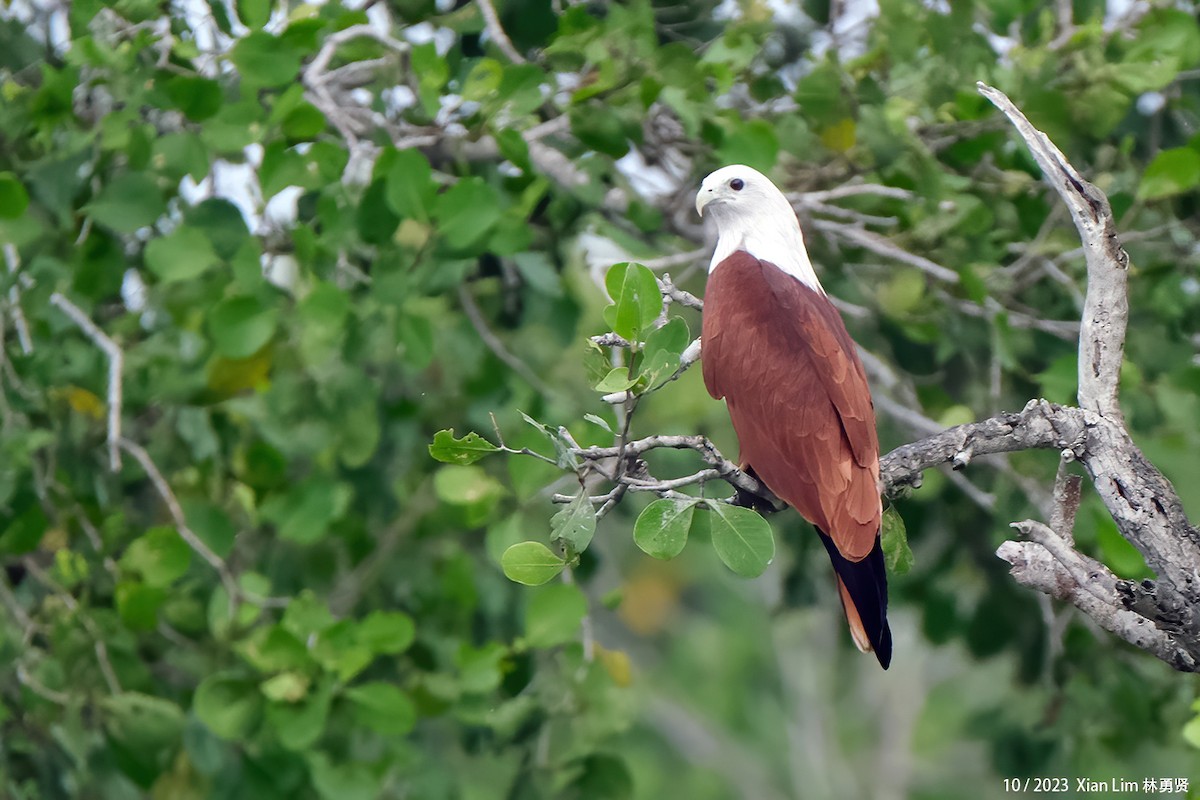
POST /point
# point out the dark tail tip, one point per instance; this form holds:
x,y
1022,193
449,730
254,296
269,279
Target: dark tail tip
x,y
866,583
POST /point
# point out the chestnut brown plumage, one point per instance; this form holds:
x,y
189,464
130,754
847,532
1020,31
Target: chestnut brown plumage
x,y
777,351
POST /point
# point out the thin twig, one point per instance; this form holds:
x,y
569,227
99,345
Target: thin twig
x,y
116,365
496,32
683,259
185,531
13,259
677,295
40,689
198,545
883,247
852,190
496,346
98,643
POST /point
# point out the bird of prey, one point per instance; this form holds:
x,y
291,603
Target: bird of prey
x,y
777,351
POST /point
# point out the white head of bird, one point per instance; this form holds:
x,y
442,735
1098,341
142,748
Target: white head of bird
x,y
751,214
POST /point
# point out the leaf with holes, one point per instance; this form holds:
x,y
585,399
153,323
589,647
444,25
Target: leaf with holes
x,y
464,451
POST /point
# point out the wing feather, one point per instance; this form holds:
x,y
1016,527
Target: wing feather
x,y
779,354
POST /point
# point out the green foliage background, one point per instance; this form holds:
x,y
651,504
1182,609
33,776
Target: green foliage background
x,y
287,376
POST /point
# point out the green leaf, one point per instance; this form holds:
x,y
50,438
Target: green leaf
x,y
343,780
197,97
637,301
181,154
479,667
241,326
663,348
1171,172
228,704
389,632
222,620
464,451
322,317
896,552
184,254
600,129
138,604
304,123
553,615
254,13
564,458
24,531
221,223
575,524
147,727
1191,732
360,428
273,649
466,213
617,380
661,530
13,197
263,60
161,557
483,80
306,615
742,538
1166,36
902,293
599,422
465,485
520,88
286,687
298,725
531,563
539,273
131,201
210,523
304,512
603,777
284,166
382,707
753,143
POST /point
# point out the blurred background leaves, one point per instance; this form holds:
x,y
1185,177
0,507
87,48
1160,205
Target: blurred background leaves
x,y
317,252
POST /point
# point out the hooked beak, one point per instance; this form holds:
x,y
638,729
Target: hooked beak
x,y
703,198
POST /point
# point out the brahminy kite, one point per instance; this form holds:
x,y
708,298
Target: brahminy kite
x,y
777,351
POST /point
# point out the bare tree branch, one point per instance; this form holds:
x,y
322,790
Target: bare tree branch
x,y
1034,566
1142,501
1106,306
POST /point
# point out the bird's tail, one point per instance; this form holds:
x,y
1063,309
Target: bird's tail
x,y
863,589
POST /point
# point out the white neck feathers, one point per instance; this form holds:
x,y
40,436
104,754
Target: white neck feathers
x,y
753,215
767,239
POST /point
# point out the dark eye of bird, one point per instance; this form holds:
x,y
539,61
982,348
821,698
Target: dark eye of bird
x,y
737,184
